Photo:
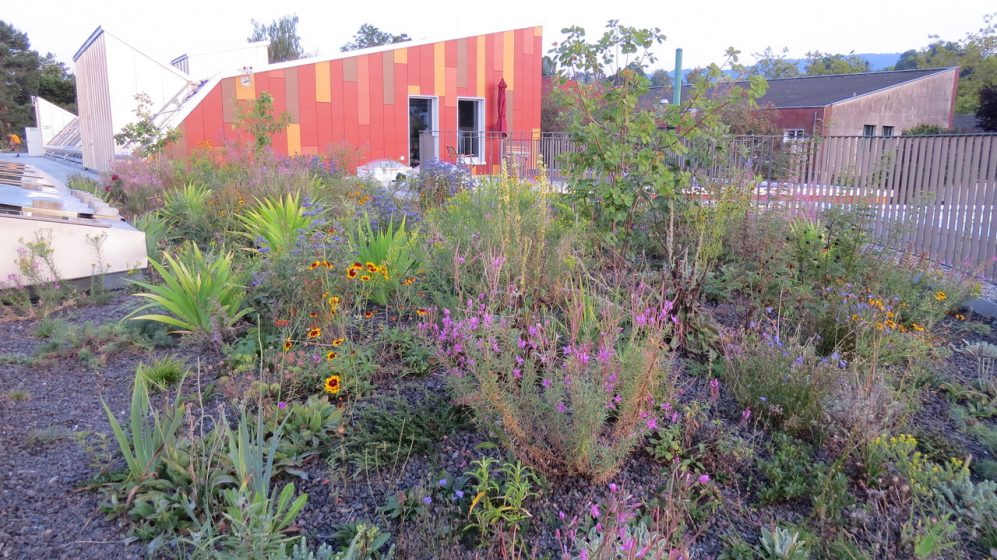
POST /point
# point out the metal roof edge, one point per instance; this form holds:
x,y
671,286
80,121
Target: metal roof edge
x,y
93,37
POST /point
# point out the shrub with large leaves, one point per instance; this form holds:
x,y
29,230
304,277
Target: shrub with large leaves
x,y
199,293
275,224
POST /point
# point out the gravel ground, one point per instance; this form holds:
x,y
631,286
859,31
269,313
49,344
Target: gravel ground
x,y
46,513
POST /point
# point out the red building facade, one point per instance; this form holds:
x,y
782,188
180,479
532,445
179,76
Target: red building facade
x,y
378,100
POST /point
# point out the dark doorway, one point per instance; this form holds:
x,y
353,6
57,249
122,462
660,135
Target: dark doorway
x,y
420,118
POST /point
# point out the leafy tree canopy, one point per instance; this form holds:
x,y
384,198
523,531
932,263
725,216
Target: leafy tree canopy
x,y
771,65
285,44
986,113
370,36
975,55
819,63
660,78
23,74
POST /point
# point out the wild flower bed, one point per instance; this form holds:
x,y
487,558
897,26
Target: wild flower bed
x,y
501,371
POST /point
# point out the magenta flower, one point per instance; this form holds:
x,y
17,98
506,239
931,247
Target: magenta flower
x,y
652,424
703,478
746,415
282,405
594,510
545,383
561,408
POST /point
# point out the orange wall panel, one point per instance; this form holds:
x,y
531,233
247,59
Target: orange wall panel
x,y
362,101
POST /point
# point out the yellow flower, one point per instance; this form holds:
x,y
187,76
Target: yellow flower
x,y
365,278
333,301
372,268
314,265
941,296
338,341
408,281
288,344
368,315
960,317
421,312
330,355
333,384
855,317
351,273
917,327
314,332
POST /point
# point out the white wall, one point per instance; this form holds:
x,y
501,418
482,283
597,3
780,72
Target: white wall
x,y
50,118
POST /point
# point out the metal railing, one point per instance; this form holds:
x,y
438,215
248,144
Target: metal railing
x,y
521,153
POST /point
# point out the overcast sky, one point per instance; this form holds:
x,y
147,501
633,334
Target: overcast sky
x,y
703,28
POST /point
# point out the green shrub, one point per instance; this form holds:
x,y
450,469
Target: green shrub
x,y
788,471
581,410
156,229
778,543
275,224
200,293
164,372
497,509
387,257
188,211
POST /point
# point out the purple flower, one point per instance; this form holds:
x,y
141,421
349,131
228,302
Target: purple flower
x,y
652,424
613,487
560,515
443,482
545,383
704,478
745,415
594,510
560,407
282,405
459,494
427,500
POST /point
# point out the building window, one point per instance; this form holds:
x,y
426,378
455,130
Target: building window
x,y
422,117
869,130
887,132
471,130
791,134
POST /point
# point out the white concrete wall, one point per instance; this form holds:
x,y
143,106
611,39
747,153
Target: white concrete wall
x,y
50,118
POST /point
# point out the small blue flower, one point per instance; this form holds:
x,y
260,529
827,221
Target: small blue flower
x,y
427,500
459,494
443,482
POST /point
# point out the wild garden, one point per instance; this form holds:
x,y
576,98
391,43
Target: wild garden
x,y
619,365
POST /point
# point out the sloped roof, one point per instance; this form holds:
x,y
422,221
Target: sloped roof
x,y
817,91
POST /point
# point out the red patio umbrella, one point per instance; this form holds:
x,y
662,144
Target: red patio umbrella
x,y
500,125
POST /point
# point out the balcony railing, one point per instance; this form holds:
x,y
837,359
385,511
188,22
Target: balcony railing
x,y
521,153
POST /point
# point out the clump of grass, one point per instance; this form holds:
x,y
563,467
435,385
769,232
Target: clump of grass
x,y
163,373
18,395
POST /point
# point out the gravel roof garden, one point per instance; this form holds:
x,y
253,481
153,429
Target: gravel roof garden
x,y
318,365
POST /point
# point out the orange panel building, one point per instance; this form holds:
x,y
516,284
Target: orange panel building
x,y
379,100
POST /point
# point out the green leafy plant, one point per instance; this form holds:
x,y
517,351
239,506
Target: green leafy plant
x,y
276,224
497,508
164,372
150,433
143,135
391,250
930,538
156,229
188,212
779,543
788,471
199,292
310,429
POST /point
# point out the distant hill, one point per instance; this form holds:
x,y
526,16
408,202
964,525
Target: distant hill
x,y
877,61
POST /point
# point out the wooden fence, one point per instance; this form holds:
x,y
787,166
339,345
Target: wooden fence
x,y
935,195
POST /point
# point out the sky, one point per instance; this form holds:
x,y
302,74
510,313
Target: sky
x,y
704,29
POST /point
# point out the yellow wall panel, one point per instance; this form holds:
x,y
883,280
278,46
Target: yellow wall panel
x,y
538,31
293,139
480,66
401,56
509,58
414,89
245,92
323,90
439,68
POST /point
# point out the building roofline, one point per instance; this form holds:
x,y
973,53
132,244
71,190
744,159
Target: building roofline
x,y
102,31
93,37
188,107
887,88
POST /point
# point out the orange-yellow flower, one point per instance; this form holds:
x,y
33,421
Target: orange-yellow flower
x,y
372,268
333,384
408,281
314,332
917,327
421,312
941,296
330,355
314,265
357,266
326,263
313,314
288,344
338,341
368,315
960,317
334,301
351,273
365,278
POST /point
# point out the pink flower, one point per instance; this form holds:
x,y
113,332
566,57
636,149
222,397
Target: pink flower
x,y
703,478
746,415
282,405
714,389
652,424
545,383
561,408
594,510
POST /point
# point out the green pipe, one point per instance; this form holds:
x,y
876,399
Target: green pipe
x,y
677,80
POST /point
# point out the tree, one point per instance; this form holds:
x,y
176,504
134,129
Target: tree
x,y
986,113
143,135
627,160
370,36
660,78
285,44
57,84
19,77
771,66
258,120
975,55
819,63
